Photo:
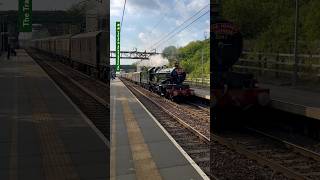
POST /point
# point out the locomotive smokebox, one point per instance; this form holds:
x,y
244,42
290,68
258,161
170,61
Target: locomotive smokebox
x,y
226,45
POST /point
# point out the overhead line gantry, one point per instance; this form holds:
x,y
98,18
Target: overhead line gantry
x,y
143,55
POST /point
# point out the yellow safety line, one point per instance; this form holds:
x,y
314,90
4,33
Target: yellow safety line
x,y
113,141
145,167
56,163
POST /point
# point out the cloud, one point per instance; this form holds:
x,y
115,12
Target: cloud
x,y
116,7
196,5
142,37
129,29
144,4
187,8
142,16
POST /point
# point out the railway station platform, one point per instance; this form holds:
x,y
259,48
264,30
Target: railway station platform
x,y
42,133
140,147
203,93
302,102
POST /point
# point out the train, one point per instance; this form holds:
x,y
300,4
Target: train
x,y
167,82
231,91
87,52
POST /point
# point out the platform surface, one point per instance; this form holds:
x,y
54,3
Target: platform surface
x,y
42,135
288,99
140,149
297,101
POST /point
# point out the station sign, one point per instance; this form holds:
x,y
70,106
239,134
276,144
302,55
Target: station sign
x,y
117,46
25,15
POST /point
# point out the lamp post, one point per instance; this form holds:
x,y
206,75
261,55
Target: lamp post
x,y
202,67
2,34
296,59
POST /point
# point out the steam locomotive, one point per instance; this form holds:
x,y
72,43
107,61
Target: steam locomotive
x,y
167,82
232,91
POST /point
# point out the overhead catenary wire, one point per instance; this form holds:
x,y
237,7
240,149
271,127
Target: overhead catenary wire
x,y
176,28
183,28
159,22
162,18
123,10
181,25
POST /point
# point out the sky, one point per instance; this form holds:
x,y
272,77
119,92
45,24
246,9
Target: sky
x,y
148,21
145,21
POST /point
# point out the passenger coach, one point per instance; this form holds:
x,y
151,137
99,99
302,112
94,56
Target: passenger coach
x,y
87,52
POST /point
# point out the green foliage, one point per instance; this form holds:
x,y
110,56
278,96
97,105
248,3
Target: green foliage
x,y
78,9
190,56
269,24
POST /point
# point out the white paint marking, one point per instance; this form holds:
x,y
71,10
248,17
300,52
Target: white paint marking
x,y
189,159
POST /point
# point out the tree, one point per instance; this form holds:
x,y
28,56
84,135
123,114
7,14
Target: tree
x,y
189,57
269,24
78,9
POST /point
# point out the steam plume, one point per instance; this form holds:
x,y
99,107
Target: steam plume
x,y
155,61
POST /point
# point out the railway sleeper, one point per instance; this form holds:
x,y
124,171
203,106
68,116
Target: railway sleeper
x,y
202,150
202,159
194,146
193,139
304,171
313,174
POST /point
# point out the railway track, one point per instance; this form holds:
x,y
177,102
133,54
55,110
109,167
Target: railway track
x,y
190,139
82,90
94,87
203,108
76,86
192,115
220,149
294,137
292,161
259,155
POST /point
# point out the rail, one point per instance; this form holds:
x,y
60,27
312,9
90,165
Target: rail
x,y
181,126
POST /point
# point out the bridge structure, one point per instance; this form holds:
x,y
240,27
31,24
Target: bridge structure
x,y
143,55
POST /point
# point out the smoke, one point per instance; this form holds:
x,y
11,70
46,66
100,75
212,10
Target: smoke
x,y
154,61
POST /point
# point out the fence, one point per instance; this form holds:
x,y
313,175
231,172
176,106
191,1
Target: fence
x,y
279,65
197,82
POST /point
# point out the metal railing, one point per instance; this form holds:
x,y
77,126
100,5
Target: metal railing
x,y
197,82
279,65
